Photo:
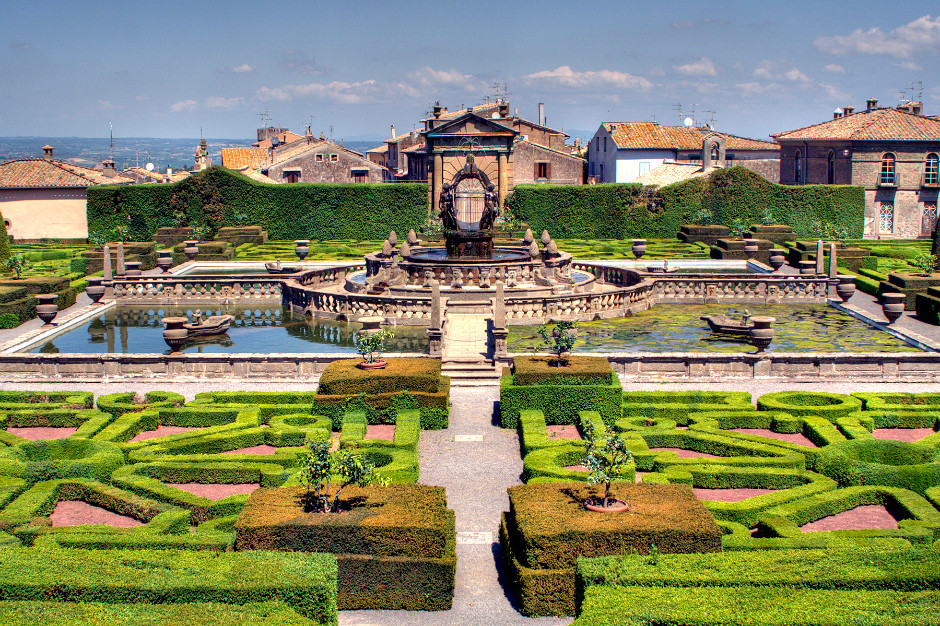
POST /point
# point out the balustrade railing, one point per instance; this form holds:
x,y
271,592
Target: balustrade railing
x,y
234,289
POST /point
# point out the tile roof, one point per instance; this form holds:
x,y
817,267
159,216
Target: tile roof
x,y
669,173
38,172
875,125
237,158
650,135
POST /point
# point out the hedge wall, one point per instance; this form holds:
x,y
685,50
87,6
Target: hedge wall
x,y
623,211
220,197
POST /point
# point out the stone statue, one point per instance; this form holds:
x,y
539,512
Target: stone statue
x,y
448,213
490,208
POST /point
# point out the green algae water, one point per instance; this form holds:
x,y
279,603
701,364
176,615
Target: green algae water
x,y
677,328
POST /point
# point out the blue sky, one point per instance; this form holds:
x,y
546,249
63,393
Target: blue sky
x,y
168,68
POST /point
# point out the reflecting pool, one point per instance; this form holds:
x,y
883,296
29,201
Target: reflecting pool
x,y
677,328
267,328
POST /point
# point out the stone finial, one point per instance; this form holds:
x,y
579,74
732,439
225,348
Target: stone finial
x,y
545,238
106,261
393,238
499,307
528,237
820,267
412,238
405,249
552,248
119,269
386,248
833,261
435,305
534,250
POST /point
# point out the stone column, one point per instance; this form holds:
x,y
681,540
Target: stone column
x,y
437,181
833,270
435,332
108,281
820,266
503,176
119,270
500,332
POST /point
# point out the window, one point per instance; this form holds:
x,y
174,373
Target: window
x,y
798,167
334,157
543,171
644,167
605,144
886,218
932,169
359,176
319,158
831,168
602,172
887,170
929,220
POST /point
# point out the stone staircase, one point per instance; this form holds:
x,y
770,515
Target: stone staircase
x,y
471,371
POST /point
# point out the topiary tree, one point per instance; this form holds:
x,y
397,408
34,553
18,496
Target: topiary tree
x,y
4,240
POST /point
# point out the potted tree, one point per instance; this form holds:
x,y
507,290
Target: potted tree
x,y
325,474
607,460
18,264
369,345
559,340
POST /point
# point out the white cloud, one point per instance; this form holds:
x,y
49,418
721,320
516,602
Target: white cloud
x,y
18,45
244,68
564,75
337,91
835,68
776,70
701,67
908,65
183,105
921,35
430,77
106,105
299,62
212,103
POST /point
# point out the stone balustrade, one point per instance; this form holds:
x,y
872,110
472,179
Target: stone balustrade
x,y
204,289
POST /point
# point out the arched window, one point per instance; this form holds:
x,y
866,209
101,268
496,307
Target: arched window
x,y
798,167
888,176
831,168
932,169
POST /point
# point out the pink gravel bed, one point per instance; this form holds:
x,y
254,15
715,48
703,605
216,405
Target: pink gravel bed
x,y
261,449
902,434
162,431
687,454
563,431
578,468
216,491
34,433
859,518
729,495
380,431
640,475
77,513
799,438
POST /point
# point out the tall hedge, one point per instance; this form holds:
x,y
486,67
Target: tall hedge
x,y
624,211
221,197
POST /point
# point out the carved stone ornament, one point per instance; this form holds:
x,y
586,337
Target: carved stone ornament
x,y
545,238
412,238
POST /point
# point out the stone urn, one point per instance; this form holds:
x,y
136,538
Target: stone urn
x,y
750,249
639,248
761,333
46,308
95,289
371,324
845,288
165,260
892,304
776,259
190,249
302,248
807,268
132,268
174,334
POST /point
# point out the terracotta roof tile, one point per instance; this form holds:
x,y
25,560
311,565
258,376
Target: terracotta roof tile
x,y
669,173
237,158
875,125
650,135
53,173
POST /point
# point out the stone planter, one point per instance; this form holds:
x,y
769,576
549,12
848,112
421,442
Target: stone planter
x,y
190,249
175,334
302,248
165,260
845,289
372,365
761,334
776,259
95,289
750,249
46,308
132,268
807,268
892,304
639,248
613,505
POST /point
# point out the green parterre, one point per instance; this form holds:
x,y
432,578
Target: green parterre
x,y
182,473
764,470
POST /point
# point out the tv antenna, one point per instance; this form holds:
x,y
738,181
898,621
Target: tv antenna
x,y
500,92
310,124
915,86
684,114
265,118
711,119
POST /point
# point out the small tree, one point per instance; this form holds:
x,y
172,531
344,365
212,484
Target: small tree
x,y
559,340
607,459
326,474
926,263
737,228
370,344
18,264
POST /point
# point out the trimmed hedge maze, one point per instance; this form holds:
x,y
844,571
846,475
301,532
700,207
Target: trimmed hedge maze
x,y
790,473
148,478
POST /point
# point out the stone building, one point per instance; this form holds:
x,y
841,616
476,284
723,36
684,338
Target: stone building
x,y
891,152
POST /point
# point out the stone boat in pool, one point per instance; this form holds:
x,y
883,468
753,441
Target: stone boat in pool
x,y
727,325
212,325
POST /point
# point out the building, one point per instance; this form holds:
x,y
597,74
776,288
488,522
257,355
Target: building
x,y
891,152
621,152
45,198
303,160
508,149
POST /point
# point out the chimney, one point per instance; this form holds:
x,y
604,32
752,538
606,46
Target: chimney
x,y
847,111
108,170
504,109
871,104
541,114
836,113
393,131
911,107
47,152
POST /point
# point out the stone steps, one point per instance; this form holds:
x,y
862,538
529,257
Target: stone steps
x,y
471,372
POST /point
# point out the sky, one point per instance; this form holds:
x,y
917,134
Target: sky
x,y
354,69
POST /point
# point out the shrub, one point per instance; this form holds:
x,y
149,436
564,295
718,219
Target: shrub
x,y
537,370
828,405
343,377
560,402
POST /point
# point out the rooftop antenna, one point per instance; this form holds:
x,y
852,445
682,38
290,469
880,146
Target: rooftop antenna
x,y
501,92
265,118
310,125
711,119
